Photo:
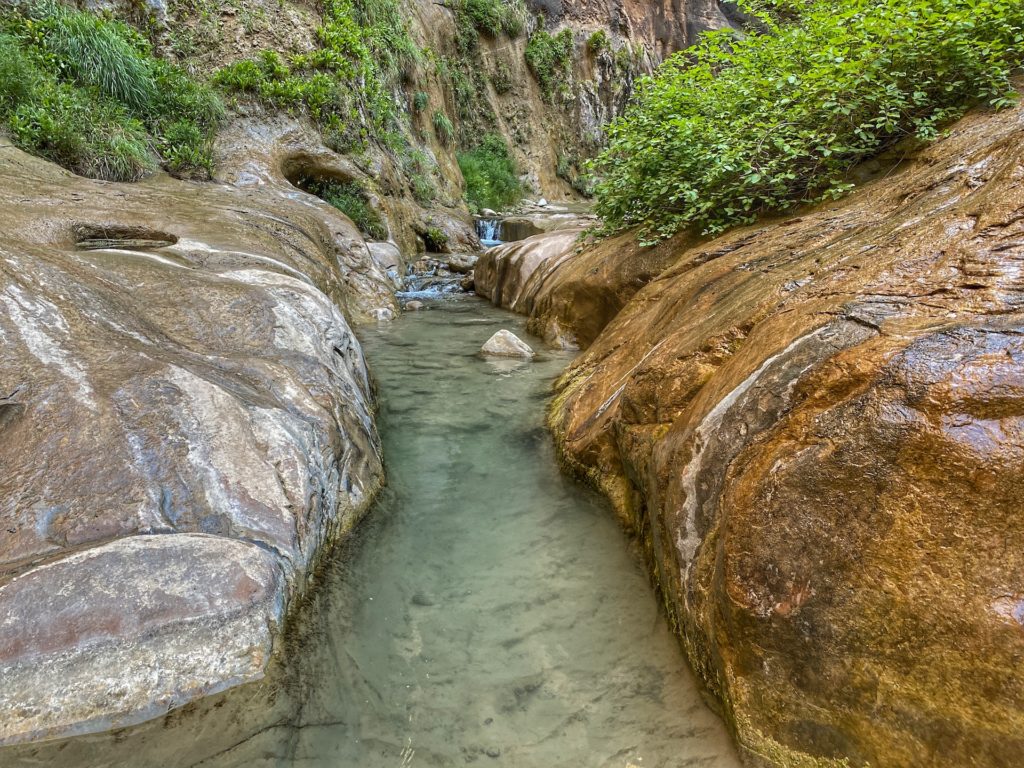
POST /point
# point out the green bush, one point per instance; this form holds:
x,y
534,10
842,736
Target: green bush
x,y
420,101
444,129
88,94
550,58
494,17
743,125
490,174
598,42
349,198
435,239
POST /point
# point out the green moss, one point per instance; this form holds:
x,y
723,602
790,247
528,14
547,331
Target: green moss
x,y
490,173
550,59
87,93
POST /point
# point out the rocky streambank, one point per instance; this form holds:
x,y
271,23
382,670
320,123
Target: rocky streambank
x,y
813,426
185,423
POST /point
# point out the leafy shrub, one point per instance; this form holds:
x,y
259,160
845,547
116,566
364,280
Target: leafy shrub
x,y
550,58
598,42
420,101
490,174
444,129
739,126
87,93
351,199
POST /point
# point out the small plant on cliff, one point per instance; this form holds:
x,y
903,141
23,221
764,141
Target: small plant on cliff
x,y
550,59
490,174
435,240
739,126
87,93
351,199
444,129
345,84
492,17
598,42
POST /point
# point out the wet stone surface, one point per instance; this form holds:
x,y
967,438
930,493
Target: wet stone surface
x,y
488,610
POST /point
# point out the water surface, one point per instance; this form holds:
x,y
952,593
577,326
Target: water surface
x,y
488,611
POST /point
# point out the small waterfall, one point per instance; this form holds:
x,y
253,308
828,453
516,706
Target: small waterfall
x,y
489,231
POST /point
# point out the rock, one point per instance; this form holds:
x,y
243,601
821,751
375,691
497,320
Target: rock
x,y
462,263
506,344
414,306
468,283
487,213
542,203
813,425
183,426
492,752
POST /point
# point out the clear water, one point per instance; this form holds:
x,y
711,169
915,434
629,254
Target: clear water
x,y
490,611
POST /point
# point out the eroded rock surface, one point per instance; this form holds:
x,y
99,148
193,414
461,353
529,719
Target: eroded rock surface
x,y
569,290
814,425
185,420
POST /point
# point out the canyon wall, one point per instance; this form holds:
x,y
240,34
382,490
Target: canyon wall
x,y
813,425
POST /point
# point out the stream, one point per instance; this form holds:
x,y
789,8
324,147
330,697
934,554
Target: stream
x,y
489,610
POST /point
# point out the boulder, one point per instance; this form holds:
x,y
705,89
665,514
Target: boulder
x,y
506,344
185,424
814,427
414,306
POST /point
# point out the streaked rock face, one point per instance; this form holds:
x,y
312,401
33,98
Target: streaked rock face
x,y
814,426
185,421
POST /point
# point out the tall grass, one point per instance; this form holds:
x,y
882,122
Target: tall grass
x,y
87,93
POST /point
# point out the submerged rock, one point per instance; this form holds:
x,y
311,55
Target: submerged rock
x,y
506,344
414,306
185,421
814,427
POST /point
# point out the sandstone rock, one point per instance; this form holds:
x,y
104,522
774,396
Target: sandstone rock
x,y
506,344
183,426
569,292
462,263
813,426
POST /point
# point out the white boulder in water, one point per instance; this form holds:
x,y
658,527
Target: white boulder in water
x,y
506,344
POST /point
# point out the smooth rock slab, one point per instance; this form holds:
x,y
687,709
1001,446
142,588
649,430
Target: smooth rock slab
x,y
115,635
506,344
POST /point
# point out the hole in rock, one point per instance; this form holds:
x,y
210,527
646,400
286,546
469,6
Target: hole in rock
x,y
91,237
341,191
9,413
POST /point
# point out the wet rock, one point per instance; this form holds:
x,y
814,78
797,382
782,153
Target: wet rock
x,y
414,306
468,283
462,263
492,752
813,425
184,424
506,344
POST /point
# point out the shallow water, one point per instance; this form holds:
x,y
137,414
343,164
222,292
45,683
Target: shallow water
x,y
490,610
